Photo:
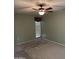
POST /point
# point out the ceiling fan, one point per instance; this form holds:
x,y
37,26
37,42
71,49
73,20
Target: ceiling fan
x,y
41,10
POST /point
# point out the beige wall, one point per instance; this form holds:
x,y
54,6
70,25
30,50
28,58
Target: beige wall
x,y
54,26
24,28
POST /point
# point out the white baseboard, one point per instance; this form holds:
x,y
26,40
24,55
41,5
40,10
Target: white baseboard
x,y
55,42
36,39
24,42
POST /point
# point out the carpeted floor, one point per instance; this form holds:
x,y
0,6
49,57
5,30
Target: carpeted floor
x,y
41,49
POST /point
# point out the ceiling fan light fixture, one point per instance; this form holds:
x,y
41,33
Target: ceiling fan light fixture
x,y
41,12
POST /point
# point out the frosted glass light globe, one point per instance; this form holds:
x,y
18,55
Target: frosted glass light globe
x,y
41,12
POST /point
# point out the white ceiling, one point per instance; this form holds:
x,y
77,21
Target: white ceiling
x,y
25,6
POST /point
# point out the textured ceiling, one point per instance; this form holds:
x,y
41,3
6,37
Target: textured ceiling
x,y
25,6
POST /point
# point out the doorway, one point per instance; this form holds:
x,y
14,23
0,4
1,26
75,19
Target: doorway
x,y
37,29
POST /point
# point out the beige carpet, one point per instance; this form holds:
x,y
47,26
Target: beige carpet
x,y
41,49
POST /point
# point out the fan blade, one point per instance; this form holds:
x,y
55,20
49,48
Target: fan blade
x,y
49,8
50,11
34,9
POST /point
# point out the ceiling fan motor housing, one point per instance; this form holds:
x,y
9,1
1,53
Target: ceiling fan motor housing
x,y
41,8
